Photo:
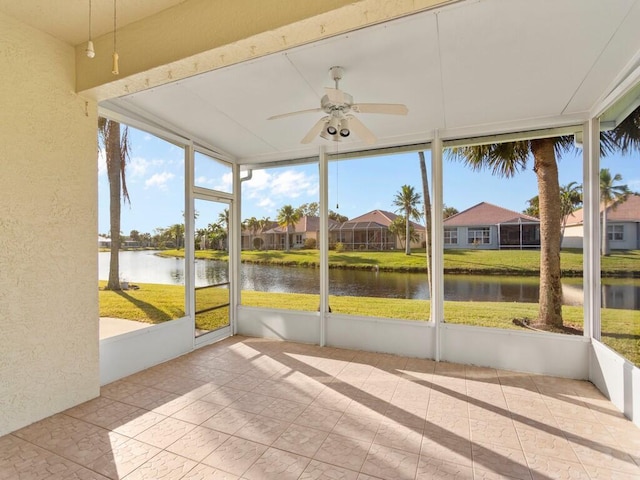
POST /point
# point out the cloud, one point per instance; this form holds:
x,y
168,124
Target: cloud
x,y
137,167
227,183
159,180
270,190
266,203
287,184
634,184
292,184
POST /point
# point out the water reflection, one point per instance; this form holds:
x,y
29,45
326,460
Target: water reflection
x,y
145,267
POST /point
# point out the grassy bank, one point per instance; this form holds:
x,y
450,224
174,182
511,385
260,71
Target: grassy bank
x,y
154,303
482,262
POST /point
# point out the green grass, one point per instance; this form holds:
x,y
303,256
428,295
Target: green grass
x,y
151,303
502,262
154,303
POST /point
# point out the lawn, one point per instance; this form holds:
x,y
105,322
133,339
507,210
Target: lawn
x,y
154,303
503,262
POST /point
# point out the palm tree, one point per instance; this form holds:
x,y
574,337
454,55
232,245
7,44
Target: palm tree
x,y
625,137
611,194
407,200
397,227
287,216
263,225
116,147
177,232
201,234
253,224
533,210
448,211
337,217
570,200
506,159
223,221
427,216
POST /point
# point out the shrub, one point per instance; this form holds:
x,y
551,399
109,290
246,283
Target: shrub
x,y
339,247
309,243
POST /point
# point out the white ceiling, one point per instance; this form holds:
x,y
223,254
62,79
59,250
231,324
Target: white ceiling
x,y
473,68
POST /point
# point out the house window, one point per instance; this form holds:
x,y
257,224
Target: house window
x,y
450,236
478,236
615,232
298,240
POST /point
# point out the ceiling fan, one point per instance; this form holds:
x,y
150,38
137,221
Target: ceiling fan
x,y
340,121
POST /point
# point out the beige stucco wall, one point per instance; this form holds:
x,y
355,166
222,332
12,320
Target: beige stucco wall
x,y
48,227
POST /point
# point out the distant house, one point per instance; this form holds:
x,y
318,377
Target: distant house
x,y
487,226
274,237
623,226
104,242
256,240
371,232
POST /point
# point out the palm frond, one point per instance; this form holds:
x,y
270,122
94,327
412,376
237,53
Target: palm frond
x,y
626,135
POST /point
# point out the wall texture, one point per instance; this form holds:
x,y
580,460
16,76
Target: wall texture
x,y
48,230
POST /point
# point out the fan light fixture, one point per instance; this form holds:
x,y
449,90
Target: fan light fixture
x,y
339,122
333,126
344,128
90,52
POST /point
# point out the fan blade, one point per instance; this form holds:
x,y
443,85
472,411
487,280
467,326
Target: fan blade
x,y
386,108
283,115
315,130
335,95
359,129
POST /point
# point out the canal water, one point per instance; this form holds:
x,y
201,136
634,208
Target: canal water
x,y
145,267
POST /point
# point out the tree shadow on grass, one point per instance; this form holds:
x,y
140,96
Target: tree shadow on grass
x,y
623,336
154,314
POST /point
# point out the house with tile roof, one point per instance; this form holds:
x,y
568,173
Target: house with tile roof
x,y
370,231
490,227
623,226
274,236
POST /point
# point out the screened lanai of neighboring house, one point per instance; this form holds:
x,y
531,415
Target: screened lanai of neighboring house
x,y
362,235
469,73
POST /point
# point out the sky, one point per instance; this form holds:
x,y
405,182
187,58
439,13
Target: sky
x,y
155,181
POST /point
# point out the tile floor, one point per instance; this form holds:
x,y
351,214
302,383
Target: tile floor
x,y
258,409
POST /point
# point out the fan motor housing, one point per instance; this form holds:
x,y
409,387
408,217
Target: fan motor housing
x,y
329,107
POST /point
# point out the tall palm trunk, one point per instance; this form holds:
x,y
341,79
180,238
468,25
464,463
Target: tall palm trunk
x,y
114,159
427,216
407,232
546,168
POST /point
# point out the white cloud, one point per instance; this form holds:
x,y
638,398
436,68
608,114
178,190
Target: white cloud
x,y
202,180
634,184
266,202
159,180
292,184
269,190
260,180
137,167
226,185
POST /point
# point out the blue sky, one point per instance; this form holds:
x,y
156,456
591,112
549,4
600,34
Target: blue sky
x,y
155,179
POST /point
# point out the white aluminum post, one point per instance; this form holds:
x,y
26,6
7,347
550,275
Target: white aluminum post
x,y
591,235
437,241
324,244
189,257
235,249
